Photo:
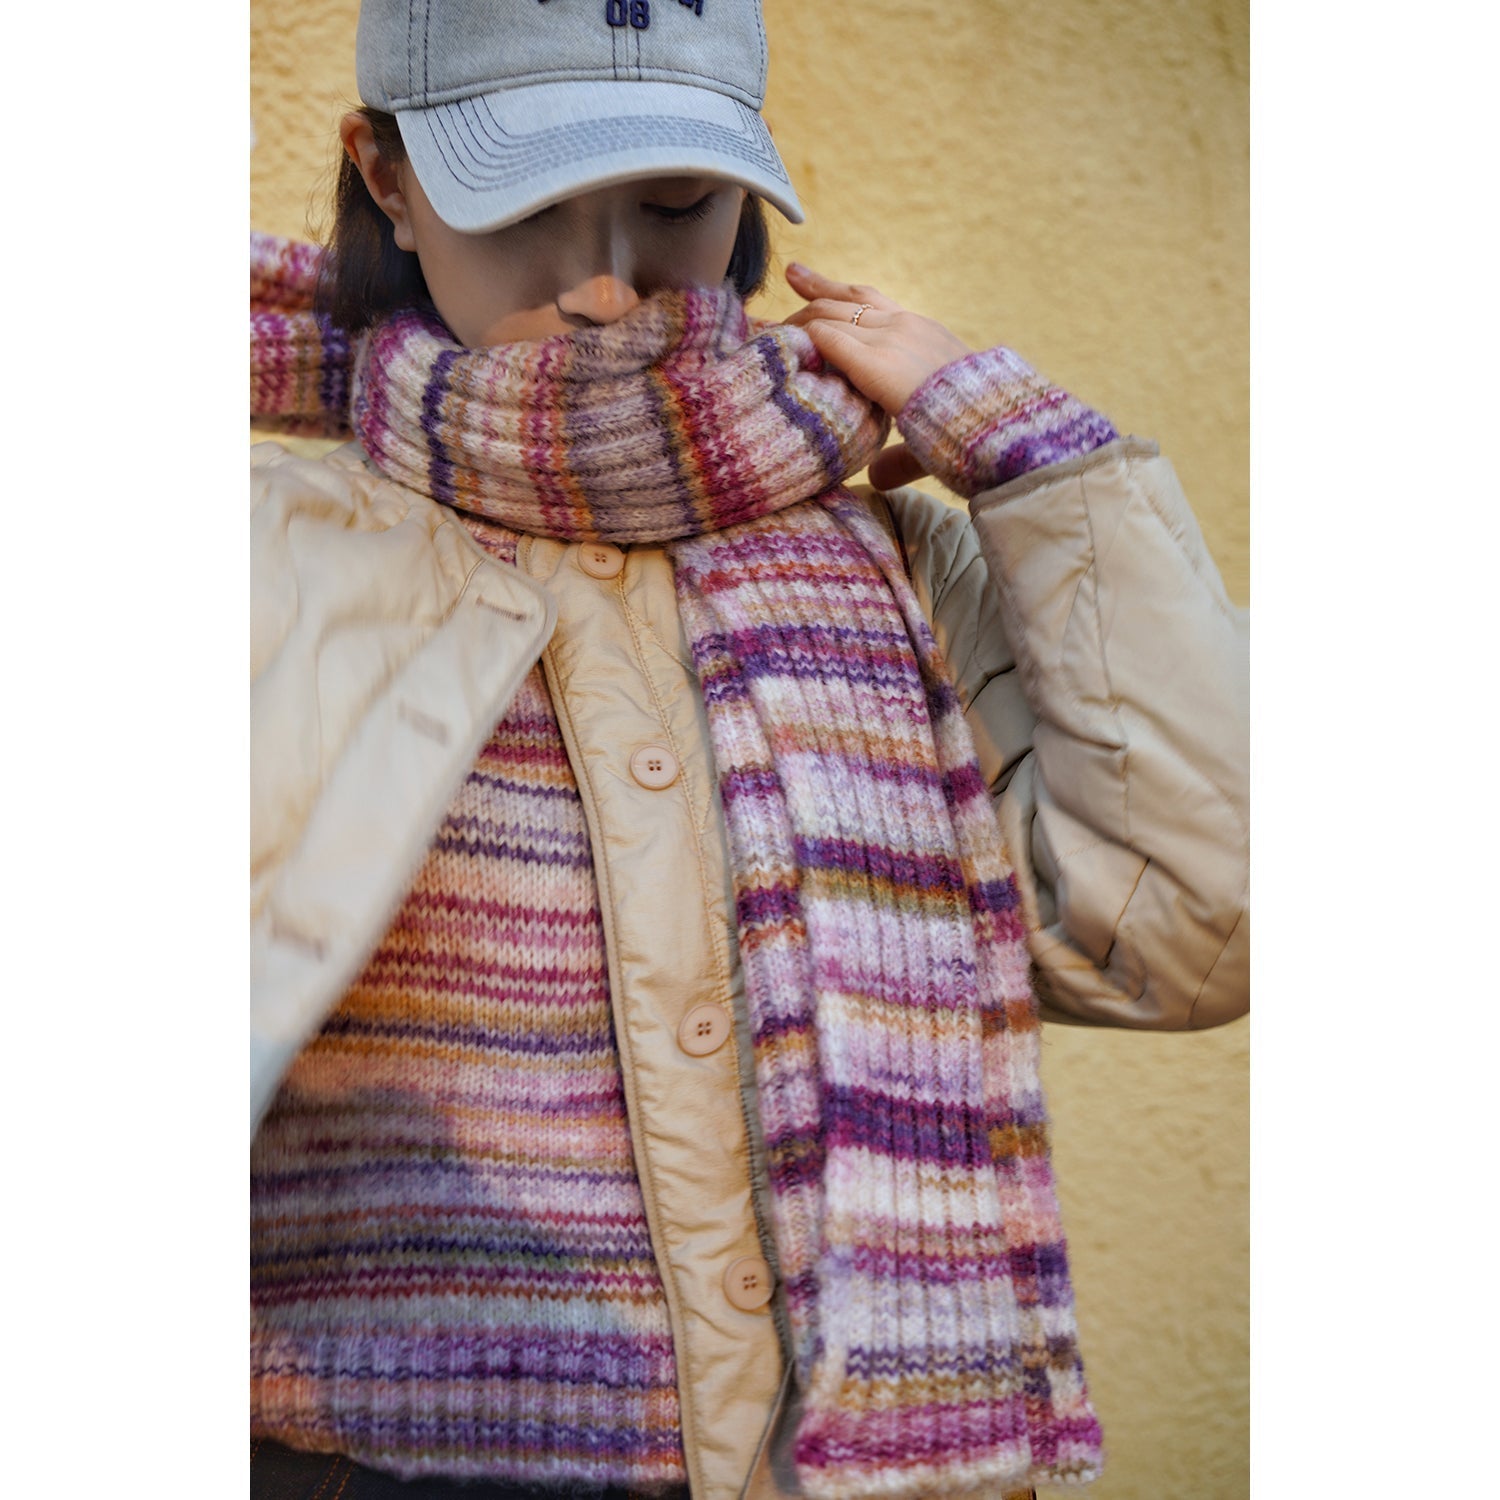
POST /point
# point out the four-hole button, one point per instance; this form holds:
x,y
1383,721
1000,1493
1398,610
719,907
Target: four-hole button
x,y
704,1029
601,559
747,1283
654,766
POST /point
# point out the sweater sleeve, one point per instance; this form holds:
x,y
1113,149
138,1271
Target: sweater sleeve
x,y
1105,673
989,417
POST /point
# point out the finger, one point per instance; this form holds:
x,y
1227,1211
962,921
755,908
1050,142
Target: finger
x,y
836,331
812,283
829,310
894,466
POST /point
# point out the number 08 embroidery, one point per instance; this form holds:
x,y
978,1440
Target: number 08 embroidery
x,y
637,13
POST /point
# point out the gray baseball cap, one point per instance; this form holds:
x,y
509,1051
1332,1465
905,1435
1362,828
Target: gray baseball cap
x,y
506,106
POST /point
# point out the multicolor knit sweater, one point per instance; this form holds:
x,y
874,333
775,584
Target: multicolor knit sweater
x,y
452,1272
450,1263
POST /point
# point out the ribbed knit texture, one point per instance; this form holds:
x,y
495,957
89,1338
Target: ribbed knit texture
x,y
989,418
300,364
680,419
451,1271
896,1039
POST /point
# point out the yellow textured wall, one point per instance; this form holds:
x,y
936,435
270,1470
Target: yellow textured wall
x,y
1070,177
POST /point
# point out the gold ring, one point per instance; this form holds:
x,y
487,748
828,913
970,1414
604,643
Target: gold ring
x,y
864,307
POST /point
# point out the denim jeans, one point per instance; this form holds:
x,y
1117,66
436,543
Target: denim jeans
x,y
278,1473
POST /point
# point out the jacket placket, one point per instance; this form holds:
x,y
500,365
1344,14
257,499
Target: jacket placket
x,y
627,702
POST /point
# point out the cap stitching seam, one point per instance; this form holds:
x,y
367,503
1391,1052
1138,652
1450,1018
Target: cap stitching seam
x,y
473,173
411,20
426,34
455,157
432,98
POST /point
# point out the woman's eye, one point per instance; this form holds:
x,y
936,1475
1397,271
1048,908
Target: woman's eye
x,y
698,210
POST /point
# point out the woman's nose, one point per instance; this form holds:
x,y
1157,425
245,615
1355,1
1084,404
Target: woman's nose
x,y
604,298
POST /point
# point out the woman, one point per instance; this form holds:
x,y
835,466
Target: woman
x,y
682,1124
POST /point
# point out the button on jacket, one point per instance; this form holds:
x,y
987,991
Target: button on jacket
x,y
386,645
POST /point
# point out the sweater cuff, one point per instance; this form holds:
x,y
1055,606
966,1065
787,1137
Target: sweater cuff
x,y
989,417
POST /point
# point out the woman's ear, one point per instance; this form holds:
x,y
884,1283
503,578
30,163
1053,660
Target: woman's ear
x,y
382,177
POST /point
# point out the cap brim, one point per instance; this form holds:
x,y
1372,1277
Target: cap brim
x,y
487,161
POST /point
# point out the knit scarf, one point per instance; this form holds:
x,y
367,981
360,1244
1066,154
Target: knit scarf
x,y
895,1034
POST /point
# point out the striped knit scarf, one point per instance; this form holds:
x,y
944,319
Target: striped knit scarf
x,y
895,1035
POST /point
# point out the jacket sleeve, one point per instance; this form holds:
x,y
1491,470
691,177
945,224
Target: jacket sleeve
x,y
1105,675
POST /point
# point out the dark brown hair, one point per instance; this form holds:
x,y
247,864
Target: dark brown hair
x,y
366,276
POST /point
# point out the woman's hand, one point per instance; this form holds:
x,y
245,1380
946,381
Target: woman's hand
x,y
886,355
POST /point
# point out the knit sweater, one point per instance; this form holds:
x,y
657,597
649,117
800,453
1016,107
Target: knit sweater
x,y
450,1264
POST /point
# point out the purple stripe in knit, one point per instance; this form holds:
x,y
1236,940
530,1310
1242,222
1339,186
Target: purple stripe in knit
x,y
562,1223
763,906
570,969
963,784
777,1027
672,437
750,782
951,1134
870,980
886,638
819,435
557,1281
799,1171
454,901
439,470
513,785
570,982
1049,1438
942,1268
995,895
519,1436
901,867
942,700
524,1350
455,841
962,1359
543,1245
762,782
1035,450
333,383
524,824
475,1038
509,1173
813,653
1033,1263
477,940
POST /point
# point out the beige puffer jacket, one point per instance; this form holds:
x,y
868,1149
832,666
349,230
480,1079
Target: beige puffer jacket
x,y
1105,676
